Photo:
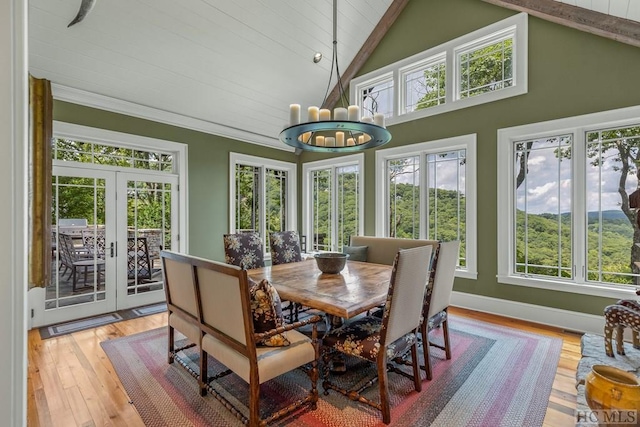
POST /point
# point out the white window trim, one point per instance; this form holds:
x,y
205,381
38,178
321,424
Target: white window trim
x,y
292,190
307,168
577,126
463,142
143,143
517,24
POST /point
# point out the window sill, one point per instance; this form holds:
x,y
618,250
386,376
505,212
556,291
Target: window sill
x,y
607,291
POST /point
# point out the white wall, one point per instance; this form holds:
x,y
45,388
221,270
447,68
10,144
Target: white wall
x,y
13,130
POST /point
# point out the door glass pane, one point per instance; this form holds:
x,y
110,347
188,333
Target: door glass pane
x,y
148,232
321,209
77,252
347,204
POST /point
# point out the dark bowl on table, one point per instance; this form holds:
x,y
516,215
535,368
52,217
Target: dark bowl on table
x,y
331,262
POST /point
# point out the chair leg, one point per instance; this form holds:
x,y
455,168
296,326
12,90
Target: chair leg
x,y
204,368
424,329
384,389
417,379
254,404
447,343
73,274
170,345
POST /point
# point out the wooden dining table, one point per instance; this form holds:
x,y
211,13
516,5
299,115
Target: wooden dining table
x,y
359,287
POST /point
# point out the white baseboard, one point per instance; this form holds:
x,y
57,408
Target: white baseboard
x,y
564,319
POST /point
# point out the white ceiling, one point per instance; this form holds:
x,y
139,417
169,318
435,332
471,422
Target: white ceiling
x,y
228,66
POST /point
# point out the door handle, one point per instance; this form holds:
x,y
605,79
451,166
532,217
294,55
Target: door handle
x,y
113,249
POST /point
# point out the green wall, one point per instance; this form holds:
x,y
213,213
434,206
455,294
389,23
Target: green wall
x,y
208,168
570,73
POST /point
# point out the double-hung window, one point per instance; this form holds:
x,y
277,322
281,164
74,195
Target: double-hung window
x,y
263,195
485,65
565,219
333,201
427,191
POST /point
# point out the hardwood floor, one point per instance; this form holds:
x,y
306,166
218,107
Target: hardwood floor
x,y
71,382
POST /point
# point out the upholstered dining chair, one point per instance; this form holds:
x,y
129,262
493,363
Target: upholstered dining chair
x,y
381,340
437,304
230,337
285,247
244,250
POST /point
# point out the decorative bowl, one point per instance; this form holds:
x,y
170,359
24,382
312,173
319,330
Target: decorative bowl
x,y
608,388
331,262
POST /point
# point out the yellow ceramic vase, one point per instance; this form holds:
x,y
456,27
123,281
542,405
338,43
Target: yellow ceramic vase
x,y
613,395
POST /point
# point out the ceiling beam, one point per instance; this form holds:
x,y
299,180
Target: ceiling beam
x,y
601,24
367,49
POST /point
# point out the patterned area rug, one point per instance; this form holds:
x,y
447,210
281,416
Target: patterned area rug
x,y
497,377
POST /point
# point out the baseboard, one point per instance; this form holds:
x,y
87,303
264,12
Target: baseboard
x,y
564,319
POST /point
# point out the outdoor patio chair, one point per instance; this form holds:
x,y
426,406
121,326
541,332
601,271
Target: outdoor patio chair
x,y
381,340
138,261
71,260
94,242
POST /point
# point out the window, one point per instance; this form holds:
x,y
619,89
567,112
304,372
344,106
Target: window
x,y
564,217
333,201
438,203
483,66
263,195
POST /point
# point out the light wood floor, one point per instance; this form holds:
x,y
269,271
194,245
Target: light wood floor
x,y
71,381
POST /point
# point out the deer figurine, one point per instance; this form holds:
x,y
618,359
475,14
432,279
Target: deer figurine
x,y
624,313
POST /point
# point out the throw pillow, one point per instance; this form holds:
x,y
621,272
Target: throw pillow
x,y
356,253
266,311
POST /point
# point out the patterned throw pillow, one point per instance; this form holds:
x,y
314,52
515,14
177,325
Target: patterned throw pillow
x,y
356,253
267,313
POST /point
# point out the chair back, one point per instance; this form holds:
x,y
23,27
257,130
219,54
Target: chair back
x,y
180,285
445,270
138,262
244,250
407,285
285,247
66,249
227,312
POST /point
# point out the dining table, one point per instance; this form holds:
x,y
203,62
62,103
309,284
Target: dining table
x,y
359,287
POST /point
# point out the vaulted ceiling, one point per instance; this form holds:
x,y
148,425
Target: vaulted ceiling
x,y
226,67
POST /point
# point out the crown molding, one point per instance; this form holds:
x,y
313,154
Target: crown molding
x,y
102,102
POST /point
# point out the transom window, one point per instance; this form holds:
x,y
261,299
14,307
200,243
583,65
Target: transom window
x,y
483,66
333,201
70,150
263,195
566,212
427,191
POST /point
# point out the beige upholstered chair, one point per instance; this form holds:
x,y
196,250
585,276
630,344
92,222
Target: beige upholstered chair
x,y
435,309
381,340
228,336
182,302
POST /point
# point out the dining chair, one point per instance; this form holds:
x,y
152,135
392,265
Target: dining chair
x,y
381,340
182,304
230,337
285,247
71,260
436,305
244,250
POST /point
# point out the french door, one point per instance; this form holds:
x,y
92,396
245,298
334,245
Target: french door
x,y
108,228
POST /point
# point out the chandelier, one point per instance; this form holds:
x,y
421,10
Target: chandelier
x,y
344,131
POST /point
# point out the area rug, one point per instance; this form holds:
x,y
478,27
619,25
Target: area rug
x,y
497,377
